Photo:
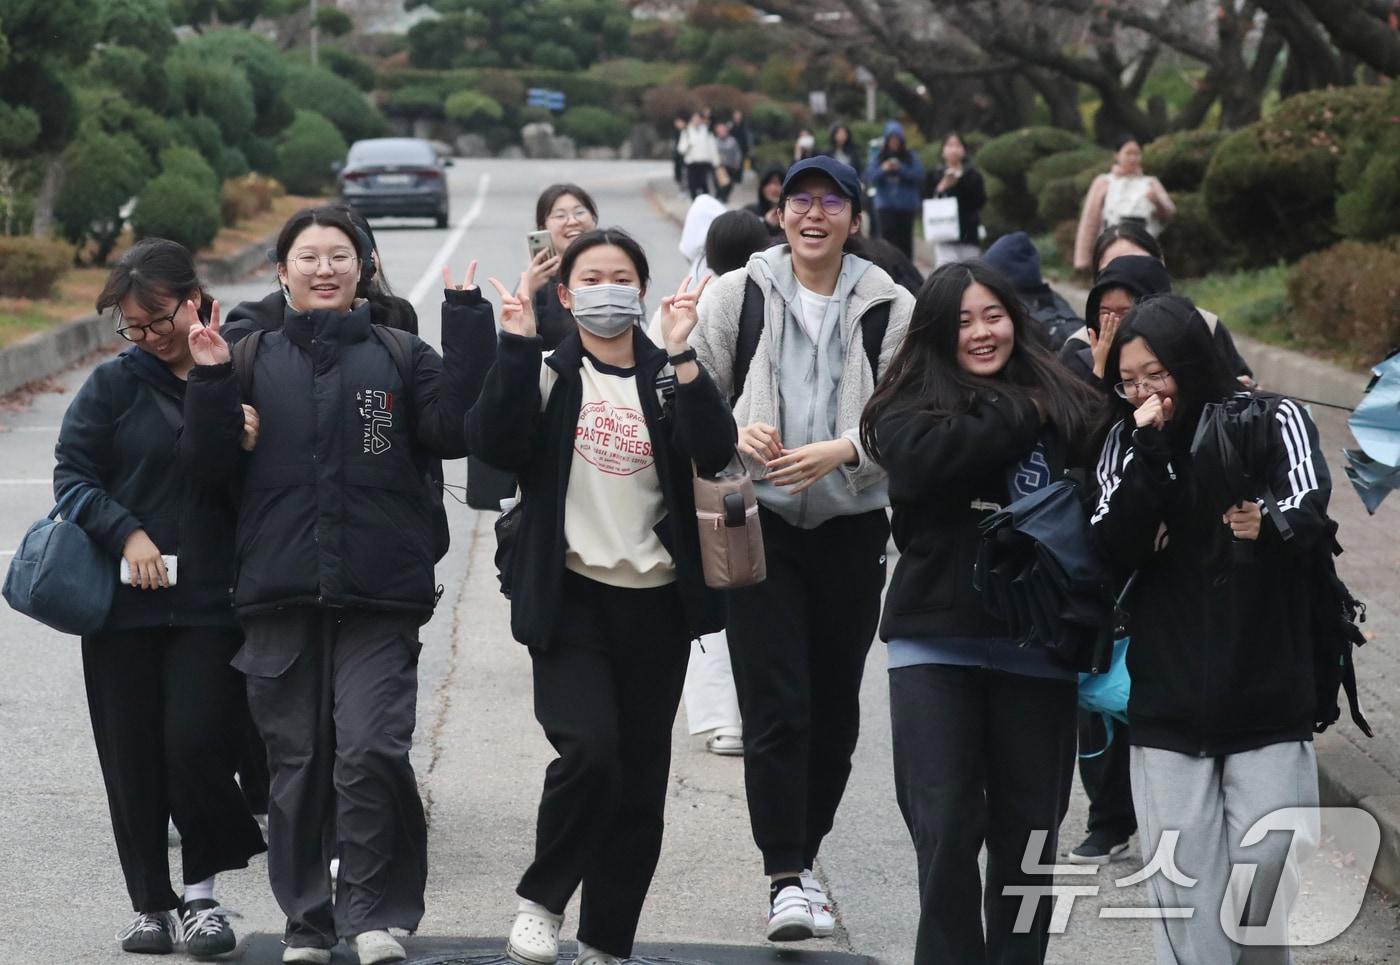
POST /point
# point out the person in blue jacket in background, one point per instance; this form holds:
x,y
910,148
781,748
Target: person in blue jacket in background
x,y
897,176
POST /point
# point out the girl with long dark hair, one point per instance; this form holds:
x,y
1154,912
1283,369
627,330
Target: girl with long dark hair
x,y
973,413
168,712
1222,705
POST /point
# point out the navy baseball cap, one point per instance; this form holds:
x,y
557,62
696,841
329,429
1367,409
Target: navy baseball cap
x,y
845,176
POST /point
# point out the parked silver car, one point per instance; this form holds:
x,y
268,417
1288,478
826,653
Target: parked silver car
x,y
395,177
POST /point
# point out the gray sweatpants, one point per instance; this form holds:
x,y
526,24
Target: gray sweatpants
x,y
1212,802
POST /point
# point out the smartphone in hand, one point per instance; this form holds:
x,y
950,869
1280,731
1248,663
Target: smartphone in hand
x,y
538,241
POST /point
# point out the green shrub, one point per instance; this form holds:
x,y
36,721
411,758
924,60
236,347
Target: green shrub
x,y
473,110
334,21
188,163
233,163
175,207
30,267
261,154
305,152
1180,160
344,64
102,173
437,44
262,64
1271,186
217,89
593,127
1192,242
1348,297
1059,182
132,72
554,56
336,99
502,86
1368,206
201,134
772,119
1009,158
413,102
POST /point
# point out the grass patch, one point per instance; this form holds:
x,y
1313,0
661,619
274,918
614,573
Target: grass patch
x,y
1250,302
17,327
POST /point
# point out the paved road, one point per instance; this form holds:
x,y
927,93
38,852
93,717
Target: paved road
x,y
479,754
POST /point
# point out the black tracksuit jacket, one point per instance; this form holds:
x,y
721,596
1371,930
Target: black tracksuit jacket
x,y
123,435
334,507
508,428
1221,653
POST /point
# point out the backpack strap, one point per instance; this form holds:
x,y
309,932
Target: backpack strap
x,y
244,354
399,345
873,325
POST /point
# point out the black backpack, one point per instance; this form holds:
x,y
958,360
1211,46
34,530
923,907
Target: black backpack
x,y
751,319
399,345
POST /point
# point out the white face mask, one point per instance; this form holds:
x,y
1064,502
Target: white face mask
x,y
607,311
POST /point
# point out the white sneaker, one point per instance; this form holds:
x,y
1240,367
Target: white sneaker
x,y
377,946
588,955
823,917
534,938
790,918
306,956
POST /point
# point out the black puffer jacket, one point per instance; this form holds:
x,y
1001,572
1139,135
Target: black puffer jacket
x,y
123,435
266,315
334,508
946,475
507,428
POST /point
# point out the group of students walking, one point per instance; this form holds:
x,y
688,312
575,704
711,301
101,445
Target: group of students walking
x,y
289,458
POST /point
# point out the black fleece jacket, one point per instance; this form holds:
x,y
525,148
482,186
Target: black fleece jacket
x,y
509,428
123,435
334,510
1221,654
946,474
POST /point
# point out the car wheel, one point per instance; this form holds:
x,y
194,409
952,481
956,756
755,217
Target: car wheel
x,y
442,219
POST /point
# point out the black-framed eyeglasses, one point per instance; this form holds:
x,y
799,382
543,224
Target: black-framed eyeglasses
x,y
156,326
1148,384
308,262
832,204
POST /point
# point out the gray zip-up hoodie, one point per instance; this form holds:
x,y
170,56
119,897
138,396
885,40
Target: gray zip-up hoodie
x,y
811,391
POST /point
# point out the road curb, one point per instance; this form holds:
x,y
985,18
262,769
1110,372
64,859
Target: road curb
x,y
49,352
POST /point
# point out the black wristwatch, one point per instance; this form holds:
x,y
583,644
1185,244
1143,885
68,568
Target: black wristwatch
x,y
687,356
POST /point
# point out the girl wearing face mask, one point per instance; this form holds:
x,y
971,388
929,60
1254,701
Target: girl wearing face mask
x,y
168,712
1221,709
974,413
336,546
1125,193
607,586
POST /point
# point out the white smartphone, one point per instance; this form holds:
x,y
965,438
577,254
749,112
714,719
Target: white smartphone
x,y
539,241
171,569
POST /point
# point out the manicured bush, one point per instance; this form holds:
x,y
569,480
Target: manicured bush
x,y
593,127
474,110
661,104
188,163
199,133
1192,242
436,44
305,152
413,102
1180,160
345,64
175,207
1060,181
218,89
1348,298
29,267
775,119
1368,206
334,21
261,154
103,172
1271,186
336,99
1009,158
233,163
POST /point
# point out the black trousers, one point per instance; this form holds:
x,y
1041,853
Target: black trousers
x,y
897,227
606,693
1105,777
798,642
334,694
168,715
980,756
697,178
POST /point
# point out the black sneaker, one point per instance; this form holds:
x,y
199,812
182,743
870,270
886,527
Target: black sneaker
x,y
1100,847
151,933
205,928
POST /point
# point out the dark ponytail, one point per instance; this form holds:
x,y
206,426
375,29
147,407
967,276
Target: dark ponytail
x,y
153,270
